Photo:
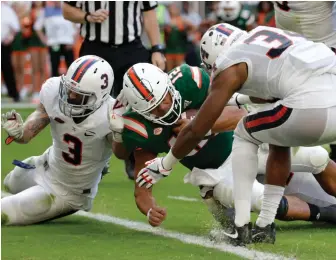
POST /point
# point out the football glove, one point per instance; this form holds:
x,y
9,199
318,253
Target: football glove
x,y
153,172
12,123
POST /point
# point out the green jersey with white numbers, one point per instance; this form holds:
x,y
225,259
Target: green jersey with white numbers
x,y
140,133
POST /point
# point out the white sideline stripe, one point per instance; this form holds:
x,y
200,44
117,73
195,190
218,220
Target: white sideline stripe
x,y
184,238
182,198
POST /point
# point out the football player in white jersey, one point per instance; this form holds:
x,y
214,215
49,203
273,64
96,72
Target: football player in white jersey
x,y
65,177
316,20
270,64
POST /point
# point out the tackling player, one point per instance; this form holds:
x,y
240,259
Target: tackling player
x,y
158,101
65,177
266,63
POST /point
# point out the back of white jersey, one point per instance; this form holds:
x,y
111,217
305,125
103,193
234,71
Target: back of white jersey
x,y
316,20
279,63
79,151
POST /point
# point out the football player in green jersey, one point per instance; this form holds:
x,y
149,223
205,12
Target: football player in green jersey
x,y
158,101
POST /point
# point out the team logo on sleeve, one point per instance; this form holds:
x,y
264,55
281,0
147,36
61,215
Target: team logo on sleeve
x,y
158,131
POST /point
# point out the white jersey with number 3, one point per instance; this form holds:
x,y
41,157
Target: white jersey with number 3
x,y
316,20
281,65
79,151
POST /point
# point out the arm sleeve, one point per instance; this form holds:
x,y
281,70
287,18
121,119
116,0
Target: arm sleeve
x,y
194,85
148,5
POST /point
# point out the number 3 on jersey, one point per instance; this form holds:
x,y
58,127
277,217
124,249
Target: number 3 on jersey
x,y
278,43
74,156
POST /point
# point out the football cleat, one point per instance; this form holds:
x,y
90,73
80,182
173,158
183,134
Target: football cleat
x,y
264,234
238,236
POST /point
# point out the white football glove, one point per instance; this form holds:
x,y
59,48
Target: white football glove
x,y
152,173
115,118
13,124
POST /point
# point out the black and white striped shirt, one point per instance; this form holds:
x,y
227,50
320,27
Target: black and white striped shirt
x,y
123,25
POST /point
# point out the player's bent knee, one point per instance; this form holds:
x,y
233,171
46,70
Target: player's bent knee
x,y
26,207
224,194
317,157
282,209
19,178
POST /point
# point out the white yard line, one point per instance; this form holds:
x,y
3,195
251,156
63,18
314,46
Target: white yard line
x,y
182,198
184,238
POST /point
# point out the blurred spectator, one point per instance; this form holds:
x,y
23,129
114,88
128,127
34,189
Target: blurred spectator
x,y
234,13
176,37
10,26
192,56
265,15
37,50
21,43
59,35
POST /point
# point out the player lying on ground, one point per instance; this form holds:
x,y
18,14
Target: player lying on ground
x,y
155,131
65,177
266,63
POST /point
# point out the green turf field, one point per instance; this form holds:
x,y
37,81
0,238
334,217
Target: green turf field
x,y
78,237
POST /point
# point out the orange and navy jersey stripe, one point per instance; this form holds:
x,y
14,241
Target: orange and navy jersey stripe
x,y
267,119
82,68
222,29
141,88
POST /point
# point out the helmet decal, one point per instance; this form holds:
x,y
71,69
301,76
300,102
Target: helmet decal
x,y
139,86
82,68
224,30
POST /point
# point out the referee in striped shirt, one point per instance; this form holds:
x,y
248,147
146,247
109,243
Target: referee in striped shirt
x,y
111,30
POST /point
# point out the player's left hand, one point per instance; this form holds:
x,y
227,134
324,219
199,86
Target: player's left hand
x,y
159,60
153,172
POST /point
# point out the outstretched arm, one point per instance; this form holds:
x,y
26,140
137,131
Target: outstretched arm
x,y
143,197
34,124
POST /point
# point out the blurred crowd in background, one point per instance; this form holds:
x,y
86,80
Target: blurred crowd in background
x,y
45,43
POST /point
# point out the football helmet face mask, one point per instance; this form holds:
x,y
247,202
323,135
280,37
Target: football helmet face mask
x,y
85,86
217,39
145,87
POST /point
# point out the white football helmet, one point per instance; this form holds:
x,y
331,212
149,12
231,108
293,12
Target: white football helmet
x,y
229,10
145,86
216,39
89,79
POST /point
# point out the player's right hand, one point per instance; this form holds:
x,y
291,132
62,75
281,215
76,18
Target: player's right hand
x,y
13,124
156,215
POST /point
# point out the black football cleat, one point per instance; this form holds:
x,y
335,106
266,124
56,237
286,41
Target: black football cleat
x,y
239,236
264,234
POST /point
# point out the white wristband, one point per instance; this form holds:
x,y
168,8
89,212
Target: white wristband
x,y
169,161
148,213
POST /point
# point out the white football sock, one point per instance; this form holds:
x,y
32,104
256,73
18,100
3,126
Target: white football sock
x,y
270,204
245,167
